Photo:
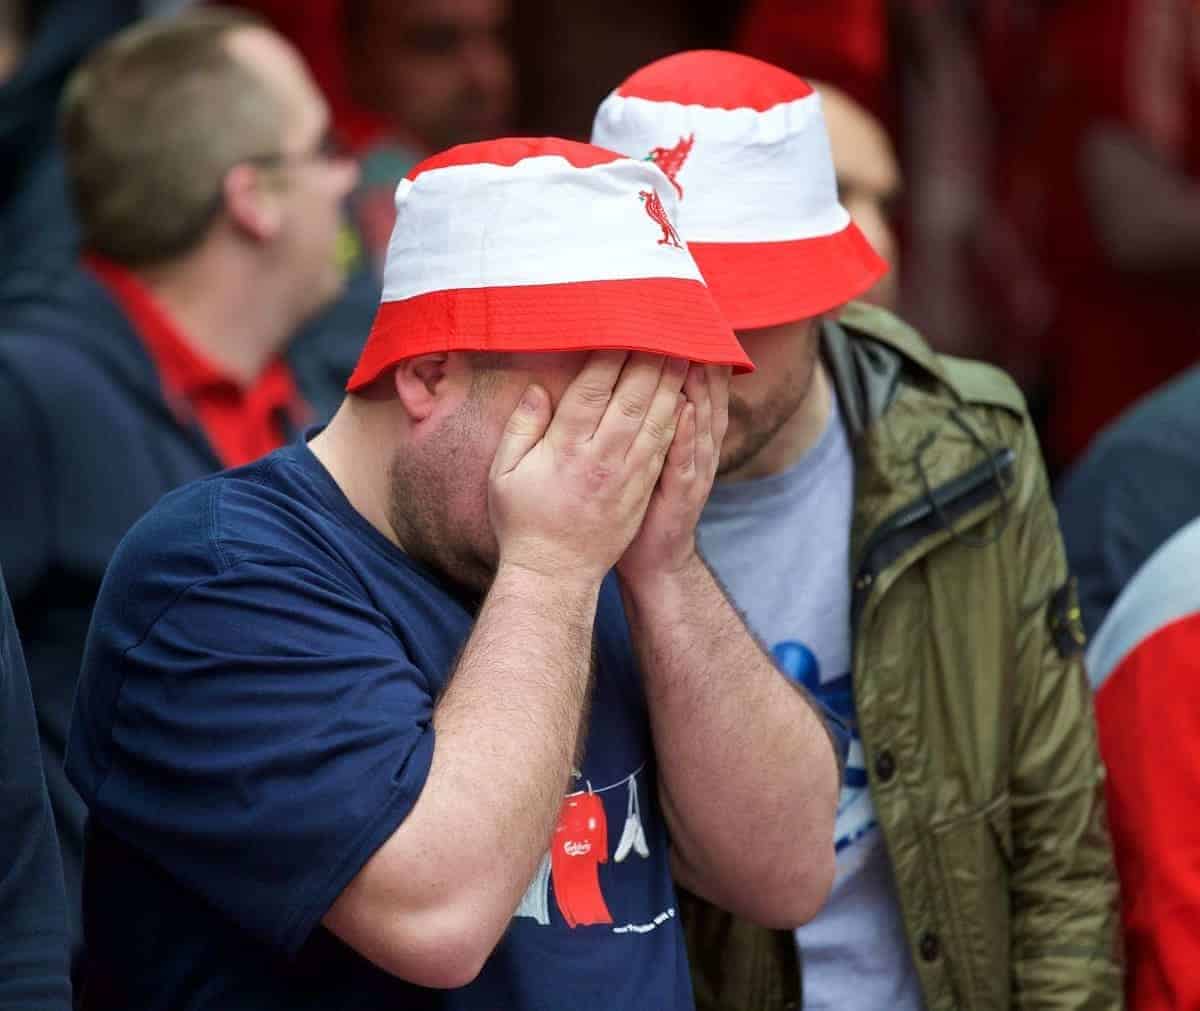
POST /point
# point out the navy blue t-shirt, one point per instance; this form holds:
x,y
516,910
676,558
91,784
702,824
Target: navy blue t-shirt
x,y
254,719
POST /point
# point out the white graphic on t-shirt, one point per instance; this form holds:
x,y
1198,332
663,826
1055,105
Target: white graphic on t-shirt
x,y
536,902
633,836
645,928
856,812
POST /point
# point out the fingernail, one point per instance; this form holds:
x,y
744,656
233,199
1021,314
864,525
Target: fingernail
x,y
532,399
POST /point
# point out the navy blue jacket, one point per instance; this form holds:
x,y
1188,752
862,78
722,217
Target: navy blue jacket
x,y
37,226
33,907
89,444
1137,484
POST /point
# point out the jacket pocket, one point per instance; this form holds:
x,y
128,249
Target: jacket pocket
x,y
974,855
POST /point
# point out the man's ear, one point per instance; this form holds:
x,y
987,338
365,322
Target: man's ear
x,y
421,382
253,206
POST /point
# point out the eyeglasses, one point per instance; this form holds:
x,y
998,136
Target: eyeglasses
x,y
326,148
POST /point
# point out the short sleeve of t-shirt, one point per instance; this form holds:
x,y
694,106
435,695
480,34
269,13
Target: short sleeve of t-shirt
x,y
261,738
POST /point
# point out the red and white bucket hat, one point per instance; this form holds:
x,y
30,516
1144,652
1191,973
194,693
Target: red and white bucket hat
x,y
744,146
540,244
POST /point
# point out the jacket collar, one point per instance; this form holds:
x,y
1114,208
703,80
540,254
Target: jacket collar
x,y
920,448
76,310
866,373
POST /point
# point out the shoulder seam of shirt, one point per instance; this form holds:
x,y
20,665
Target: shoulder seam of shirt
x,y
224,571
102,778
214,536
167,608
251,474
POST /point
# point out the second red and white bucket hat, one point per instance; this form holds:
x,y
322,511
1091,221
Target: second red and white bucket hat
x,y
744,146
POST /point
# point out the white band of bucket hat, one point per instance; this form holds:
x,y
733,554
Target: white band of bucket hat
x,y
526,225
782,153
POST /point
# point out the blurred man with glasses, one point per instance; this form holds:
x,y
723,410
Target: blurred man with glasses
x,y
210,208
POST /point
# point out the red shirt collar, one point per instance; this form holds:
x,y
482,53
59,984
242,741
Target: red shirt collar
x,y
181,368
240,422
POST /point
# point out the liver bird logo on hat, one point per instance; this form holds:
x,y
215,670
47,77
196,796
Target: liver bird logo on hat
x,y
670,159
654,207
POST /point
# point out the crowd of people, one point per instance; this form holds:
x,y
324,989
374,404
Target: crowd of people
x,y
733,555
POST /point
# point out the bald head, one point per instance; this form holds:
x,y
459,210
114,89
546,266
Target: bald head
x,y
868,178
285,77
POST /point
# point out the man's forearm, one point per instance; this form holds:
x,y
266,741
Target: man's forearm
x,y
434,900
508,725
748,773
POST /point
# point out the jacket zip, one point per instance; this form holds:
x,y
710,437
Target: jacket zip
x,y
911,524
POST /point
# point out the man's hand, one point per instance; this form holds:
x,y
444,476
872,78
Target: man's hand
x,y
568,492
666,541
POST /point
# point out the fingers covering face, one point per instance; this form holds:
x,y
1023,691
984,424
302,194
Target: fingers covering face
x,y
628,403
620,401
526,426
652,440
586,399
718,384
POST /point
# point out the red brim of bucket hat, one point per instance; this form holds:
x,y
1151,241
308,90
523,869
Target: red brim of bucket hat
x,y
660,315
760,284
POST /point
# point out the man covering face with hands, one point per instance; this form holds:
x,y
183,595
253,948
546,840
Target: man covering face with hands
x,y
426,709
883,521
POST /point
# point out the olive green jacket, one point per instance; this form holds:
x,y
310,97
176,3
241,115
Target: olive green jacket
x,y
972,703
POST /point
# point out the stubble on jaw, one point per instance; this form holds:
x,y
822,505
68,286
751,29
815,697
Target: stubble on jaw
x,y
422,485
758,426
